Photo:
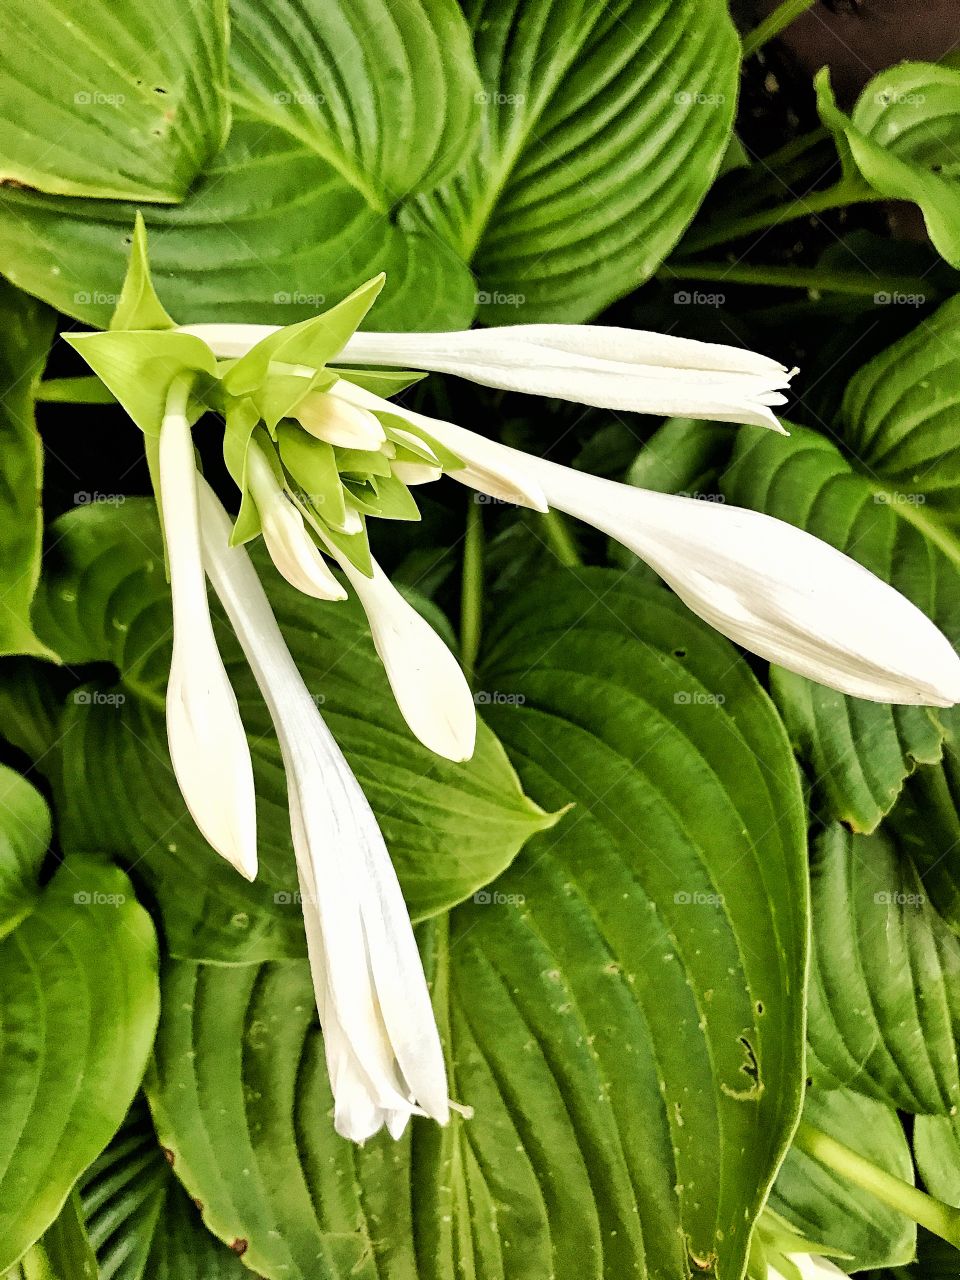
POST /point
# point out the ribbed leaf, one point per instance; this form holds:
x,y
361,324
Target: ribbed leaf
x,y
78,1008
826,1208
450,828
24,840
26,329
886,500
884,997
603,127
124,100
623,1007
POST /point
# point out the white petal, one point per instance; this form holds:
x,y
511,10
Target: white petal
x,y
812,1267
333,418
380,1035
427,682
208,747
416,472
775,589
291,548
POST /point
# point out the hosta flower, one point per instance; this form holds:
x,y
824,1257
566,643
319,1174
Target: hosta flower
x,y
380,1037
208,747
809,1267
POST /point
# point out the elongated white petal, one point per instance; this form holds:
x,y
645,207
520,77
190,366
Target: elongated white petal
x,y
291,548
612,368
208,747
427,682
333,418
416,472
380,1036
775,589
489,468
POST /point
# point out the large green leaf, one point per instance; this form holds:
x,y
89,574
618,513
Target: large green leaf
x,y
623,1007
25,332
886,495
826,1208
78,1008
926,825
884,998
568,171
24,840
450,828
141,1222
603,128
902,139
123,100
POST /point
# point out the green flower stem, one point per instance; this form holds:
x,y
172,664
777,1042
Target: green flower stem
x,y
940,1218
471,593
846,191
84,390
560,540
812,278
772,25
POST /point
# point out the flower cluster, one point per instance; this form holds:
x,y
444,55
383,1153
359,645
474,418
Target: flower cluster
x,y
317,447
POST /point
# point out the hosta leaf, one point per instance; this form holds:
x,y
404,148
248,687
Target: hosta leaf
x,y
825,1207
141,1222
26,329
623,1007
64,1251
926,825
78,1007
603,127
123,100
450,828
885,499
24,840
884,995
902,138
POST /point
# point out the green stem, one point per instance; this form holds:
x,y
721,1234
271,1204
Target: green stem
x,y
85,390
812,278
471,592
846,191
560,540
942,1219
772,25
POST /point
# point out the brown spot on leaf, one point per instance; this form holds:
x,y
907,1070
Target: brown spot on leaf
x,y
240,1246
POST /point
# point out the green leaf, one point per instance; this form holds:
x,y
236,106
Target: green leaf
x,y
902,137
603,128
884,1002
827,1208
24,839
138,306
78,1008
450,828
121,101
866,501
64,1252
26,330
142,1223
623,1007
926,825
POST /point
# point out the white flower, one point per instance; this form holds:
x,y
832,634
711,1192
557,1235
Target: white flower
x,y
291,548
208,747
810,1267
612,368
338,422
427,682
380,1037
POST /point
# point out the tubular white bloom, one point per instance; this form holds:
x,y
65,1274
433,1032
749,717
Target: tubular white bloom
x,y
337,421
380,1037
611,368
810,1267
291,548
427,682
208,747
